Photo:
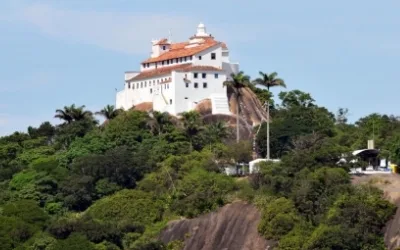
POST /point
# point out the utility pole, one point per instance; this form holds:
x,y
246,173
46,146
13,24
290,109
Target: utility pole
x,y
268,149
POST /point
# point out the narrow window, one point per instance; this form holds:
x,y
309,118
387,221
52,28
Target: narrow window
x,y
176,60
151,91
204,85
133,86
145,84
204,75
167,86
180,59
195,75
148,65
137,85
191,57
196,85
216,75
185,58
129,85
213,56
162,63
144,65
199,57
141,84
167,62
163,47
187,85
170,101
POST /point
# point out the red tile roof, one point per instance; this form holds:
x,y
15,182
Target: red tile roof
x,y
179,50
199,68
168,69
159,71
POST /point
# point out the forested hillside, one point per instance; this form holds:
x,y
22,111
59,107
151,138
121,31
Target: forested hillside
x,y
115,185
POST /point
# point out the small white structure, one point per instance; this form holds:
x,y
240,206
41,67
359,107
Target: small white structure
x,y
254,165
179,75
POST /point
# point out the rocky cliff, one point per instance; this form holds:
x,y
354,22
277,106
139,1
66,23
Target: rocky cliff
x,y
232,227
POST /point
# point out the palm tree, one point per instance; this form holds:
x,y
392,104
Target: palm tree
x,y
158,121
73,113
269,81
109,112
79,113
64,114
217,131
237,82
192,124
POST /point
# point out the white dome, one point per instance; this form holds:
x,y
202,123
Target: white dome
x,y
201,25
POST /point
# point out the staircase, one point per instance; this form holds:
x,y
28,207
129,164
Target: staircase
x,y
220,104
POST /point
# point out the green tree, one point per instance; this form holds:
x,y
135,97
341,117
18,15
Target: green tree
x,y
237,82
109,112
192,124
216,132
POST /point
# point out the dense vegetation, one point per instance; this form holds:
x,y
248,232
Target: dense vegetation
x,y
84,185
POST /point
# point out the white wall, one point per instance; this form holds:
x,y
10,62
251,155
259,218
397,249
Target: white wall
x,y
186,97
206,57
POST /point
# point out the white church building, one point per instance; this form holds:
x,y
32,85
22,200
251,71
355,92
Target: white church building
x,y
178,76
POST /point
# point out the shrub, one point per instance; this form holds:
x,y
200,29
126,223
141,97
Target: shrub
x,y
133,205
201,192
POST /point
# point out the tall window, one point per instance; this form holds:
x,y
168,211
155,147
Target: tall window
x,y
176,60
203,75
187,85
216,75
141,84
213,56
191,57
151,91
195,75
162,63
129,85
170,101
180,59
137,85
163,47
204,85
199,57
196,85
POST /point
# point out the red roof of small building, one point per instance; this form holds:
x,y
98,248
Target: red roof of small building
x,y
163,41
168,69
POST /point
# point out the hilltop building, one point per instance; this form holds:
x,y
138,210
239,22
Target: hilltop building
x,y
178,76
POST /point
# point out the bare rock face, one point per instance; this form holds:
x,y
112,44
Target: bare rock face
x,y
390,185
233,227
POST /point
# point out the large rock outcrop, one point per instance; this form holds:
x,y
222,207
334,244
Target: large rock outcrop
x,y
390,185
232,227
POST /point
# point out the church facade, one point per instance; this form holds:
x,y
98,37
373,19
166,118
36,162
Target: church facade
x,y
178,76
